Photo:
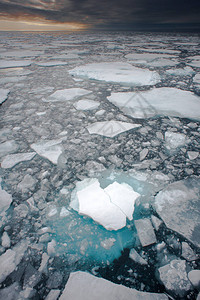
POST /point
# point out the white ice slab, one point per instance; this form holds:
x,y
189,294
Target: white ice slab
x,y
174,140
51,63
148,57
158,101
67,95
86,104
108,207
117,72
195,63
48,149
110,128
11,160
14,63
95,288
162,62
3,95
22,53
196,79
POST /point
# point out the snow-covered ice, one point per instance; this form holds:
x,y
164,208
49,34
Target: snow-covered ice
x,y
91,287
110,128
5,200
3,95
49,149
67,95
173,140
51,63
117,72
145,232
187,71
158,101
11,160
109,207
86,104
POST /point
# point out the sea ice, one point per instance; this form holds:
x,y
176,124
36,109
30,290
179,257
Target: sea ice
x,y
117,72
109,207
174,277
145,232
86,104
162,62
110,128
11,258
5,200
196,79
91,287
14,63
173,140
147,57
51,63
136,257
181,72
195,63
11,160
3,95
49,149
67,95
194,277
158,101
178,206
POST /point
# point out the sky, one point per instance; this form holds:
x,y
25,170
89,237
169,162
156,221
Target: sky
x,y
56,15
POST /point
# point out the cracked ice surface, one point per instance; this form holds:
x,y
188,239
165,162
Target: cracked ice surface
x,y
11,160
158,101
117,72
110,128
109,207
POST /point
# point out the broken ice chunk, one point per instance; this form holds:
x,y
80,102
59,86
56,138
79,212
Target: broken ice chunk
x,y
108,207
145,232
110,128
174,140
49,149
136,257
67,95
3,95
11,160
5,200
174,277
11,258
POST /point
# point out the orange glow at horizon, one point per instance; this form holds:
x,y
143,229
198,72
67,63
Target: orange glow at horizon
x,y
39,25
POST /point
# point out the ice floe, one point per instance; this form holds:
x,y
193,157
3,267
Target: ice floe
x,y
196,79
3,95
14,63
158,101
147,57
11,160
49,149
110,128
91,287
66,95
145,232
178,206
117,72
173,140
86,104
8,147
109,207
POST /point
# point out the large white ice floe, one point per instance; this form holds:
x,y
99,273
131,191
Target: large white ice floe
x,y
178,206
51,63
3,95
109,206
158,101
67,95
181,71
11,258
86,104
49,149
11,160
117,72
95,288
14,63
110,128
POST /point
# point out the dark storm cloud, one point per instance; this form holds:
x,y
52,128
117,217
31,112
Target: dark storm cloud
x,y
105,12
